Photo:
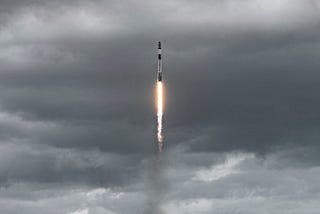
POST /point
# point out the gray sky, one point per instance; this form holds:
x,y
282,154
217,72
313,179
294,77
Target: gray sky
x,y
77,111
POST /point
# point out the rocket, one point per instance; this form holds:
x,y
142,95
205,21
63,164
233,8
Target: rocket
x,y
159,72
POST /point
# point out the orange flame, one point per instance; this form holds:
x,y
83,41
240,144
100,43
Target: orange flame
x,y
159,114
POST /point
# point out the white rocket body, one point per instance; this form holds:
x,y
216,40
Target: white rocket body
x,y
159,72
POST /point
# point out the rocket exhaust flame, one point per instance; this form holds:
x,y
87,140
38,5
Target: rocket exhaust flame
x,y
159,114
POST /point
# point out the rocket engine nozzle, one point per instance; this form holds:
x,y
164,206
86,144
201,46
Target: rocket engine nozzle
x,y
159,77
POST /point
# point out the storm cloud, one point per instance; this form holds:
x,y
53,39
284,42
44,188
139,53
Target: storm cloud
x,y
77,112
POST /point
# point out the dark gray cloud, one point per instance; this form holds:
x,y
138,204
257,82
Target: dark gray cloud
x,y
77,99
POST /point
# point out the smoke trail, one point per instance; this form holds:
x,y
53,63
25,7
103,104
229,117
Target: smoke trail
x,y
156,185
159,114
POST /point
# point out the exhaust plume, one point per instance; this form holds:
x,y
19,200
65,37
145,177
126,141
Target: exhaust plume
x,y
159,114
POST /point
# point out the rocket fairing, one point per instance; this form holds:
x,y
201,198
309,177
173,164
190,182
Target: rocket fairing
x,y
159,72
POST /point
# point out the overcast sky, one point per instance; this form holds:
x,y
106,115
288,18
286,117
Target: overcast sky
x,y
77,109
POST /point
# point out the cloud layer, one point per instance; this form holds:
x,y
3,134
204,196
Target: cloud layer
x,y
77,119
